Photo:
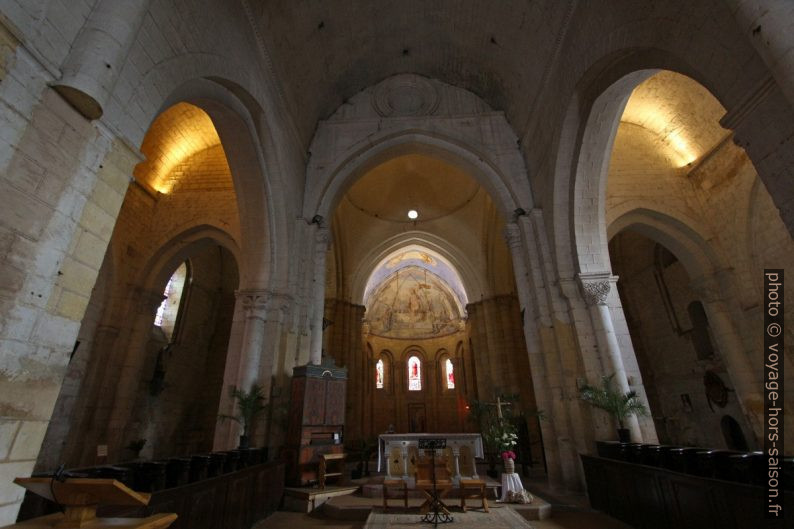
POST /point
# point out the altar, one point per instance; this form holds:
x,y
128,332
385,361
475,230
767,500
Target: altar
x,y
399,453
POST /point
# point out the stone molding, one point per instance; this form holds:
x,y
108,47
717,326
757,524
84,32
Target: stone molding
x,y
736,115
405,95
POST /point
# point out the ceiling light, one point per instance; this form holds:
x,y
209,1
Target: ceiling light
x,y
413,214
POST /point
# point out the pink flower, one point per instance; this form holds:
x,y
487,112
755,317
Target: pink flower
x,y
508,454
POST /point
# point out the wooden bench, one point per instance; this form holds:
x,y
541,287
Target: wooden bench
x,y
331,466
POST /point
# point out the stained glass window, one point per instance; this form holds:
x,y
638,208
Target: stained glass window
x,y
450,374
379,374
172,296
414,374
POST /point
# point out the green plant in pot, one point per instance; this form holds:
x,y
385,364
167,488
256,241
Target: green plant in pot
x,y
613,401
250,405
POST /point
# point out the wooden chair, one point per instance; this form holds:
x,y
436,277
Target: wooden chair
x,y
473,489
331,465
392,484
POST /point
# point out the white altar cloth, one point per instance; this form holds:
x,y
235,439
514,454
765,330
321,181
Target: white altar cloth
x,y
510,483
454,441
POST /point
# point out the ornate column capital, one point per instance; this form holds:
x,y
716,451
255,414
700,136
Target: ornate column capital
x,y
512,235
278,306
596,287
254,302
322,239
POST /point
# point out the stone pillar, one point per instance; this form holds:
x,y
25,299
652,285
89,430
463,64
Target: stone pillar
x,y
731,348
92,67
322,238
254,304
595,289
537,326
769,25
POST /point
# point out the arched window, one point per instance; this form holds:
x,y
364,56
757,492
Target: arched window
x,y
380,374
414,374
167,312
449,374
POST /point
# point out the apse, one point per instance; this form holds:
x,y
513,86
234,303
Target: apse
x,y
414,293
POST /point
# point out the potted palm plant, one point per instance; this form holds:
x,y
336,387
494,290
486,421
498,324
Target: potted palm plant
x,y
618,404
250,405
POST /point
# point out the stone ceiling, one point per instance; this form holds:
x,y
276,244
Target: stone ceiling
x,y
176,134
681,114
427,185
325,52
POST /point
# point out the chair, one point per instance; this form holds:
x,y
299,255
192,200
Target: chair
x,y
331,465
392,484
424,481
473,489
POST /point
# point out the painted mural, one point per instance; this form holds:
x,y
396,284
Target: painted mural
x,y
413,302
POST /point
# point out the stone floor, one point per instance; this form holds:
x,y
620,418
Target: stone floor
x,y
569,511
499,517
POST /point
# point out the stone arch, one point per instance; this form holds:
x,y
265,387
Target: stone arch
x,y
452,254
371,151
236,118
178,248
689,246
585,147
713,287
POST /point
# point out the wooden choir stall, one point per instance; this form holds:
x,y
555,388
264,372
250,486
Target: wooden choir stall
x,y
80,498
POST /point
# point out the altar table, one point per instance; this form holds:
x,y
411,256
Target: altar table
x,y
461,449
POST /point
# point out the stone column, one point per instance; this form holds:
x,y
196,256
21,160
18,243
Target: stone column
x,y
731,348
538,334
254,303
769,25
595,289
322,238
93,65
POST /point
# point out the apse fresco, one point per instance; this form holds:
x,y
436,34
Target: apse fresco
x,y
417,256
413,302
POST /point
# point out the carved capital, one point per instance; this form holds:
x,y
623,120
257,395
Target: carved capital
x,y
595,289
512,235
322,239
254,303
278,306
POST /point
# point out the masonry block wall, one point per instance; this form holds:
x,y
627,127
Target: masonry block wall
x,y
728,209
111,404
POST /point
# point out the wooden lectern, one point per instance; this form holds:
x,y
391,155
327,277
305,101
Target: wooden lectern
x,y
80,498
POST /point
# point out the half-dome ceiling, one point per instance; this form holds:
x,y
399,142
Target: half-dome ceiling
x,y
431,187
680,112
177,134
414,293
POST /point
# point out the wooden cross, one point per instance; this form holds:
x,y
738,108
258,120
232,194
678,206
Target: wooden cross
x,y
499,403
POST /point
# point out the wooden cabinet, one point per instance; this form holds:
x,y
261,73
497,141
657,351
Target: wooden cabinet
x,y
317,419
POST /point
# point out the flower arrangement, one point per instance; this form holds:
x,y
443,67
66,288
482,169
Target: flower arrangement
x,y
508,454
